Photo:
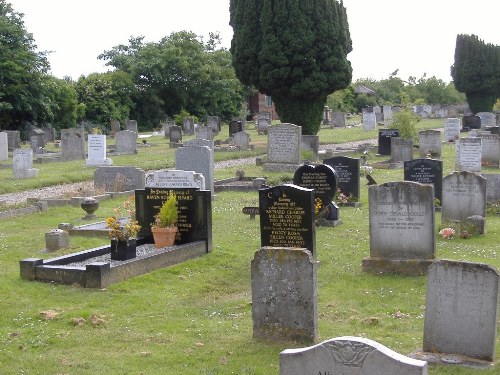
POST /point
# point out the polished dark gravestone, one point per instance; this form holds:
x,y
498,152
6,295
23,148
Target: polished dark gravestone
x,y
235,126
384,140
426,171
347,173
287,217
321,178
471,122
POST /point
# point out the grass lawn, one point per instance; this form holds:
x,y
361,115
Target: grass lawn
x,y
196,317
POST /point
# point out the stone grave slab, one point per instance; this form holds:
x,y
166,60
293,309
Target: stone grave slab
x,y
283,150
401,149
4,146
197,159
490,150
468,154
115,179
23,163
126,142
347,174
369,120
172,178
429,143
384,140
426,171
452,128
97,151
72,144
321,178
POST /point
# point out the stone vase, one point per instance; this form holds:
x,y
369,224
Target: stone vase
x,y
164,237
123,249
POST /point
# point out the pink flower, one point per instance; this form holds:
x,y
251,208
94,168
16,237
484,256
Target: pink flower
x,y
447,233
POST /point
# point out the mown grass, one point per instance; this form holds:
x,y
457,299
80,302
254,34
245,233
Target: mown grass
x,y
196,317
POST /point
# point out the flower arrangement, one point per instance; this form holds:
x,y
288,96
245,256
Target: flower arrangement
x,y
447,233
123,232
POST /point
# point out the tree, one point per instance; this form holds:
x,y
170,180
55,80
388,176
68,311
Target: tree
x,y
294,51
476,72
22,70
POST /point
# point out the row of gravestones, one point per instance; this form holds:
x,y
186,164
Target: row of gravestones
x,y
284,270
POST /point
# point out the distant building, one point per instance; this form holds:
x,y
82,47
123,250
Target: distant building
x,y
360,89
261,103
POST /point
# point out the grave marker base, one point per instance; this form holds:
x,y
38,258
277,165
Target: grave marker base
x,y
280,167
408,267
451,359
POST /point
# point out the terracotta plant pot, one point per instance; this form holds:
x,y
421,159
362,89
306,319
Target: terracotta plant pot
x,y
164,237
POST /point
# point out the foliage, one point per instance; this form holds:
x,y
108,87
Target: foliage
x,y
119,231
168,215
179,117
294,51
342,100
406,122
476,72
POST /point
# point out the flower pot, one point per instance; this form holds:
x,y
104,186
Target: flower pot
x,y
164,236
123,249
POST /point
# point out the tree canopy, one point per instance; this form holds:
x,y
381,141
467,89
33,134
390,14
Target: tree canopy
x,y
476,72
295,51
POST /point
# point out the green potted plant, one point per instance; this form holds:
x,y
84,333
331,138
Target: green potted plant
x,y
164,228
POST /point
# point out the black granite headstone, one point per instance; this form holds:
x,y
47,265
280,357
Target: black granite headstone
x,y
322,179
287,217
471,122
235,126
426,171
384,140
194,207
347,173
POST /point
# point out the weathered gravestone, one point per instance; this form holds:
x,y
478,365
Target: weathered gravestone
x,y
126,142
387,111
235,126
72,144
131,125
14,139
426,171
348,355
4,146
283,147
188,126
452,128
369,120
118,178
37,140
198,159
310,143
204,132
338,119
492,187
50,134
490,150
401,149
487,119
321,178
461,311
241,140
384,140
471,122
97,151
213,122
347,174
115,127
173,178
464,196
468,154
264,120
194,208
23,163
175,134
429,143
287,217
166,129
401,217
284,294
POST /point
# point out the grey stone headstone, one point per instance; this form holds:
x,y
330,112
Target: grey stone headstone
x,y
284,294
115,179
464,195
263,124
349,355
115,127
310,143
97,151
4,146
166,130
213,122
401,219
487,119
429,143
241,139
338,119
72,144
173,178
204,132
492,187
198,159
23,163
131,125
14,139
369,120
387,111
50,134
401,149
126,142
490,150
283,146
188,126
175,134
468,154
199,143
326,115
461,312
452,128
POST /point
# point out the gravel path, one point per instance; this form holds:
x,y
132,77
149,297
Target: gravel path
x,y
80,188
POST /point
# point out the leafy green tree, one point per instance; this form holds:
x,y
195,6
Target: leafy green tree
x,y
342,100
64,106
22,69
476,72
294,51
406,122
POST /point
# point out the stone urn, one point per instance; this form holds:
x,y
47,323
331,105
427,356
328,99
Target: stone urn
x,y
89,205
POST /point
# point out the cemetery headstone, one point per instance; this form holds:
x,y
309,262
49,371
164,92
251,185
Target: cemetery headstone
x,y
115,127
14,139
401,149
37,140
350,356
452,128
401,217
369,120
471,122
287,217
197,159
338,119
166,130
384,140
283,147
347,174
188,126
241,140
72,144
115,179
490,150
126,142
468,154
263,125
492,187
173,179
131,125
426,171
429,143
23,163
326,115
50,134
97,151
310,143
461,309
204,132
387,111
321,178
175,134
487,119
4,146
213,122
284,295
235,126
464,195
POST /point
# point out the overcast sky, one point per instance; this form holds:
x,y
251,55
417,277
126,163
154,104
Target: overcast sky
x,y
415,37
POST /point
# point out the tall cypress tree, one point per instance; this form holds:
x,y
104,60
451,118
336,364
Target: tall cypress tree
x,y
295,51
476,72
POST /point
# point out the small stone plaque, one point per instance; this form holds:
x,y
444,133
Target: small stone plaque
x,y
173,178
320,178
